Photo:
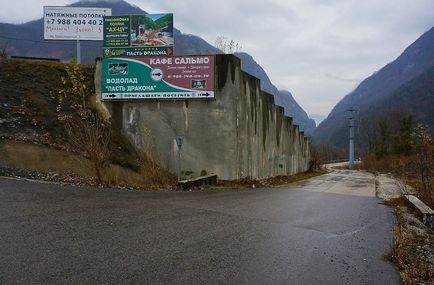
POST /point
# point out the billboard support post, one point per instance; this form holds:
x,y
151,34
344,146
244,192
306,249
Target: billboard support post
x,y
179,165
78,52
179,142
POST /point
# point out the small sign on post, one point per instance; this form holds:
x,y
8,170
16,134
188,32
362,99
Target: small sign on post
x,y
179,143
179,140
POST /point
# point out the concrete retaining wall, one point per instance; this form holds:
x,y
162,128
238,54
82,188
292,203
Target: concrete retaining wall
x,y
240,134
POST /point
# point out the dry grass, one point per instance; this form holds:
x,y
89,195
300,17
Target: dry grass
x,y
32,117
413,248
268,182
76,168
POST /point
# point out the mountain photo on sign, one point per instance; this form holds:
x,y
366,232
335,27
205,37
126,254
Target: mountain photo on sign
x,y
118,69
152,30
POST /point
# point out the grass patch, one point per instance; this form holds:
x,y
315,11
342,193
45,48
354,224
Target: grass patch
x,y
276,181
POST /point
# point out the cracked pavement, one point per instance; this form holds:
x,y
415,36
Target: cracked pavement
x,y
329,229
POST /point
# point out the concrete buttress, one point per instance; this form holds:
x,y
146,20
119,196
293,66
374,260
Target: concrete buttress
x,y
240,133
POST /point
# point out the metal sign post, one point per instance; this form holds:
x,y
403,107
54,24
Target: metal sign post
x,y
78,52
351,154
179,142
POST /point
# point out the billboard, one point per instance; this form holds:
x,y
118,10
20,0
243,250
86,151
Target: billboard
x,y
74,23
138,35
158,77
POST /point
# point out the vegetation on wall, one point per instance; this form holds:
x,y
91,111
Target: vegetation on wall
x,y
87,131
227,46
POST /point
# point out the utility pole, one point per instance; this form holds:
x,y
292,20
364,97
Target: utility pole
x,y
352,114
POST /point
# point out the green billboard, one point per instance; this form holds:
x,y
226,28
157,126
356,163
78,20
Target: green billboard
x,y
138,35
160,77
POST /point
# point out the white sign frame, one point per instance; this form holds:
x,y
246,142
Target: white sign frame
x,y
74,23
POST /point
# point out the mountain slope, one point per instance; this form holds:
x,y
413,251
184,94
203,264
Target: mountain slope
x,y
27,40
415,97
414,61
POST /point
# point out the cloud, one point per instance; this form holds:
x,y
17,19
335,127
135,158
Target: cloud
x,y
339,78
103,0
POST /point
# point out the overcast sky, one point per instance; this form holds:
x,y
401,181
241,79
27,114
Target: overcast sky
x,y
317,49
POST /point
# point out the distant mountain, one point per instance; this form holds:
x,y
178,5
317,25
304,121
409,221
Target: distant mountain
x,y
27,40
317,118
384,89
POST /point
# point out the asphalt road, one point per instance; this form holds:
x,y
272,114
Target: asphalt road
x,y
327,230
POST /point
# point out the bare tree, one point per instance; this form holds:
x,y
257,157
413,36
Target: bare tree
x,y
4,49
227,46
92,137
423,143
88,133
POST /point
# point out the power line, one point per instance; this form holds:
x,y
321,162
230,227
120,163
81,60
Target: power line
x,y
45,42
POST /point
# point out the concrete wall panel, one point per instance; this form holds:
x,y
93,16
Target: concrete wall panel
x,y
240,134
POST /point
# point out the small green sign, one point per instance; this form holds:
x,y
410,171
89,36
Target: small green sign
x,y
138,35
137,52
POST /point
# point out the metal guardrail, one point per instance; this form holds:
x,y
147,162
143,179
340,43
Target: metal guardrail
x,y
35,58
425,212
198,181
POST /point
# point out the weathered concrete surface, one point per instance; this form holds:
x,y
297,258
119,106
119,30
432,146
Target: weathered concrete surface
x,y
425,212
302,234
341,181
389,187
239,134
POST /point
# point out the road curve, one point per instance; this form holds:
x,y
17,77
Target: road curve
x,y
327,230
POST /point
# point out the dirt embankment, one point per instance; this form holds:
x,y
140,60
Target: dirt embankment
x,y
34,140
